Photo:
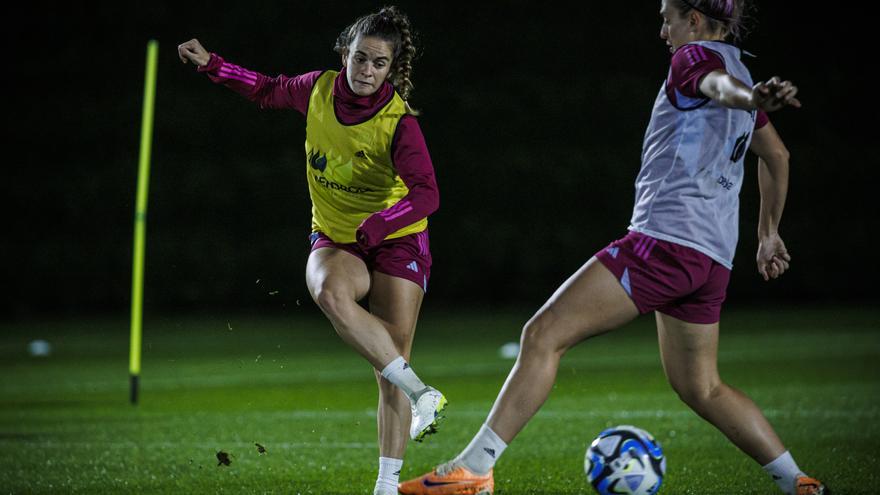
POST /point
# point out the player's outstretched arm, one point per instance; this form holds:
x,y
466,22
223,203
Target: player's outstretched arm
x,y
773,258
770,95
193,51
267,92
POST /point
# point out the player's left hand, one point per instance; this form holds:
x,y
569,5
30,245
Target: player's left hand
x,y
370,233
362,239
773,258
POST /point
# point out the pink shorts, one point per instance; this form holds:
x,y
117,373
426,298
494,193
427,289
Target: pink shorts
x,y
407,257
670,278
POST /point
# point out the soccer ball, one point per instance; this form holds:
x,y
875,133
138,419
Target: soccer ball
x,y
625,460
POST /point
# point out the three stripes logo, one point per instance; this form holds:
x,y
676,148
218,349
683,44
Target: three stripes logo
x,y
643,248
413,266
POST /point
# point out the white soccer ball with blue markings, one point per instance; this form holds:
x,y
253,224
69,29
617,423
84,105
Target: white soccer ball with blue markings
x,y
625,460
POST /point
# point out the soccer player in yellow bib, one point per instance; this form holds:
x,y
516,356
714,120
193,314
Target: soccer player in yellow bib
x,y
372,187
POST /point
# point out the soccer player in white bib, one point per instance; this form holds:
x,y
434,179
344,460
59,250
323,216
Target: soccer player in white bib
x,y
372,187
677,257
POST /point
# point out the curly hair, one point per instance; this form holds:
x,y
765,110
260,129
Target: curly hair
x,y
392,25
729,16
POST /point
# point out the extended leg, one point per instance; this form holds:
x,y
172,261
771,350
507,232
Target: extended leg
x,y
689,353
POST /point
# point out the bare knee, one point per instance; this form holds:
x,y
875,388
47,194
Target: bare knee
x,y
698,394
333,302
538,336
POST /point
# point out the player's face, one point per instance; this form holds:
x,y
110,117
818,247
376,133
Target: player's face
x,y
676,29
368,60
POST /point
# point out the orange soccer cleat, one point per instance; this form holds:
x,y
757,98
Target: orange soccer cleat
x,y
809,486
454,481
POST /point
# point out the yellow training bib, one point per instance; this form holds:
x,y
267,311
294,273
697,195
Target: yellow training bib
x,y
349,167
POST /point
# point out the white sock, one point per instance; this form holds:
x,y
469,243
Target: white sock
x,y
401,374
784,472
480,455
389,475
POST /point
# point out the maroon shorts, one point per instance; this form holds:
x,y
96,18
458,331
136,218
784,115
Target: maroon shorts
x,y
670,278
407,257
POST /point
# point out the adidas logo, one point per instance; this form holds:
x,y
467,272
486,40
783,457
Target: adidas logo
x,y
489,451
413,266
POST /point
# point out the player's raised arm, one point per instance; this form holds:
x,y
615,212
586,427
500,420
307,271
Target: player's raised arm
x,y
729,91
267,92
772,258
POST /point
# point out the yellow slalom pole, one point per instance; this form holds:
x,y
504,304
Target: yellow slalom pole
x,y
140,219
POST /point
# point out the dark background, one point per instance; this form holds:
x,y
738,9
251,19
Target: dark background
x,y
534,115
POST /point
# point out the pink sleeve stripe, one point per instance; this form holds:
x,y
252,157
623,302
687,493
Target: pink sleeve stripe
x,y
238,78
399,213
695,54
237,68
233,69
237,75
395,208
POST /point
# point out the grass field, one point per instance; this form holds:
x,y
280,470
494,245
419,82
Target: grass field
x,y
225,383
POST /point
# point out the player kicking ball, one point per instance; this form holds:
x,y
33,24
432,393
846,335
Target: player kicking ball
x,y
677,257
372,187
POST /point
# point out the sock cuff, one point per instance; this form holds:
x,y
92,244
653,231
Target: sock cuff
x,y
784,472
397,364
484,450
492,436
784,458
390,462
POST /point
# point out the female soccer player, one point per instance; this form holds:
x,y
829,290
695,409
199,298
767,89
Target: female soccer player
x,y
372,187
677,257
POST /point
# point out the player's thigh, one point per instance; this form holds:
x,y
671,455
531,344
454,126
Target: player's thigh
x,y
338,272
589,303
396,301
689,353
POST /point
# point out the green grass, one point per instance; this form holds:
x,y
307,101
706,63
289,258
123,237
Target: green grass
x,y
225,383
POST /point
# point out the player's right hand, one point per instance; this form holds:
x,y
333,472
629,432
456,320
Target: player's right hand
x,y
193,51
774,94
